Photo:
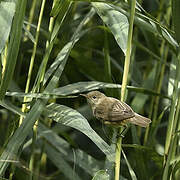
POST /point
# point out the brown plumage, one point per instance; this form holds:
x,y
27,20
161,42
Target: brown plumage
x,y
112,111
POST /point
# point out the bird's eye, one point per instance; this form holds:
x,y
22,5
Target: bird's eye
x,y
94,97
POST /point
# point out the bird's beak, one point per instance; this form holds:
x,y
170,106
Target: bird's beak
x,y
83,95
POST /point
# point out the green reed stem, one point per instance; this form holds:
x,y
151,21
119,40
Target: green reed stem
x,y
43,157
172,124
31,163
124,84
164,53
30,19
24,106
161,67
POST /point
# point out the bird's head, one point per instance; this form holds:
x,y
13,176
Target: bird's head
x,y
93,97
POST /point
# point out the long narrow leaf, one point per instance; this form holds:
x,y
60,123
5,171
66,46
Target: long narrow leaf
x,y
67,48
94,85
83,160
101,175
72,118
116,21
81,87
131,171
8,105
11,150
59,162
13,46
7,10
175,17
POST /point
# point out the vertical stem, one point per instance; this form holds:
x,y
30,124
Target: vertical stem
x,y
161,67
128,52
172,145
31,163
173,118
176,124
59,19
30,19
164,53
32,159
33,57
48,44
43,157
173,107
118,157
124,84
4,59
35,46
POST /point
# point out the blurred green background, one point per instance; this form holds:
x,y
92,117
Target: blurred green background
x,y
51,51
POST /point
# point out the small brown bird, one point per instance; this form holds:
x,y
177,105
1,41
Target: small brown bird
x,y
112,111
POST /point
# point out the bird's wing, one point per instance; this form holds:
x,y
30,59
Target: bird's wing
x,y
119,111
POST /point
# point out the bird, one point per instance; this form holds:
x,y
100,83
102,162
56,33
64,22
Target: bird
x,y
112,111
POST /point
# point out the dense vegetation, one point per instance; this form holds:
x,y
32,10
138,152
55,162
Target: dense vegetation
x,y
51,51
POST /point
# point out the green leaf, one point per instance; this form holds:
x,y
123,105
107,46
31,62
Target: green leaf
x,y
29,34
175,17
8,105
94,85
13,46
131,171
17,139
154,128
74,119
101,175
64,53
60,10
168,37
54,34
80,87
11,150
136,146
83,160
176,169
150,153
116,21
151,24
7,10
172,75
60,163
37,95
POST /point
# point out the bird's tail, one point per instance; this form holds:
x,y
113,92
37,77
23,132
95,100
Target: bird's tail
x,y
140,120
